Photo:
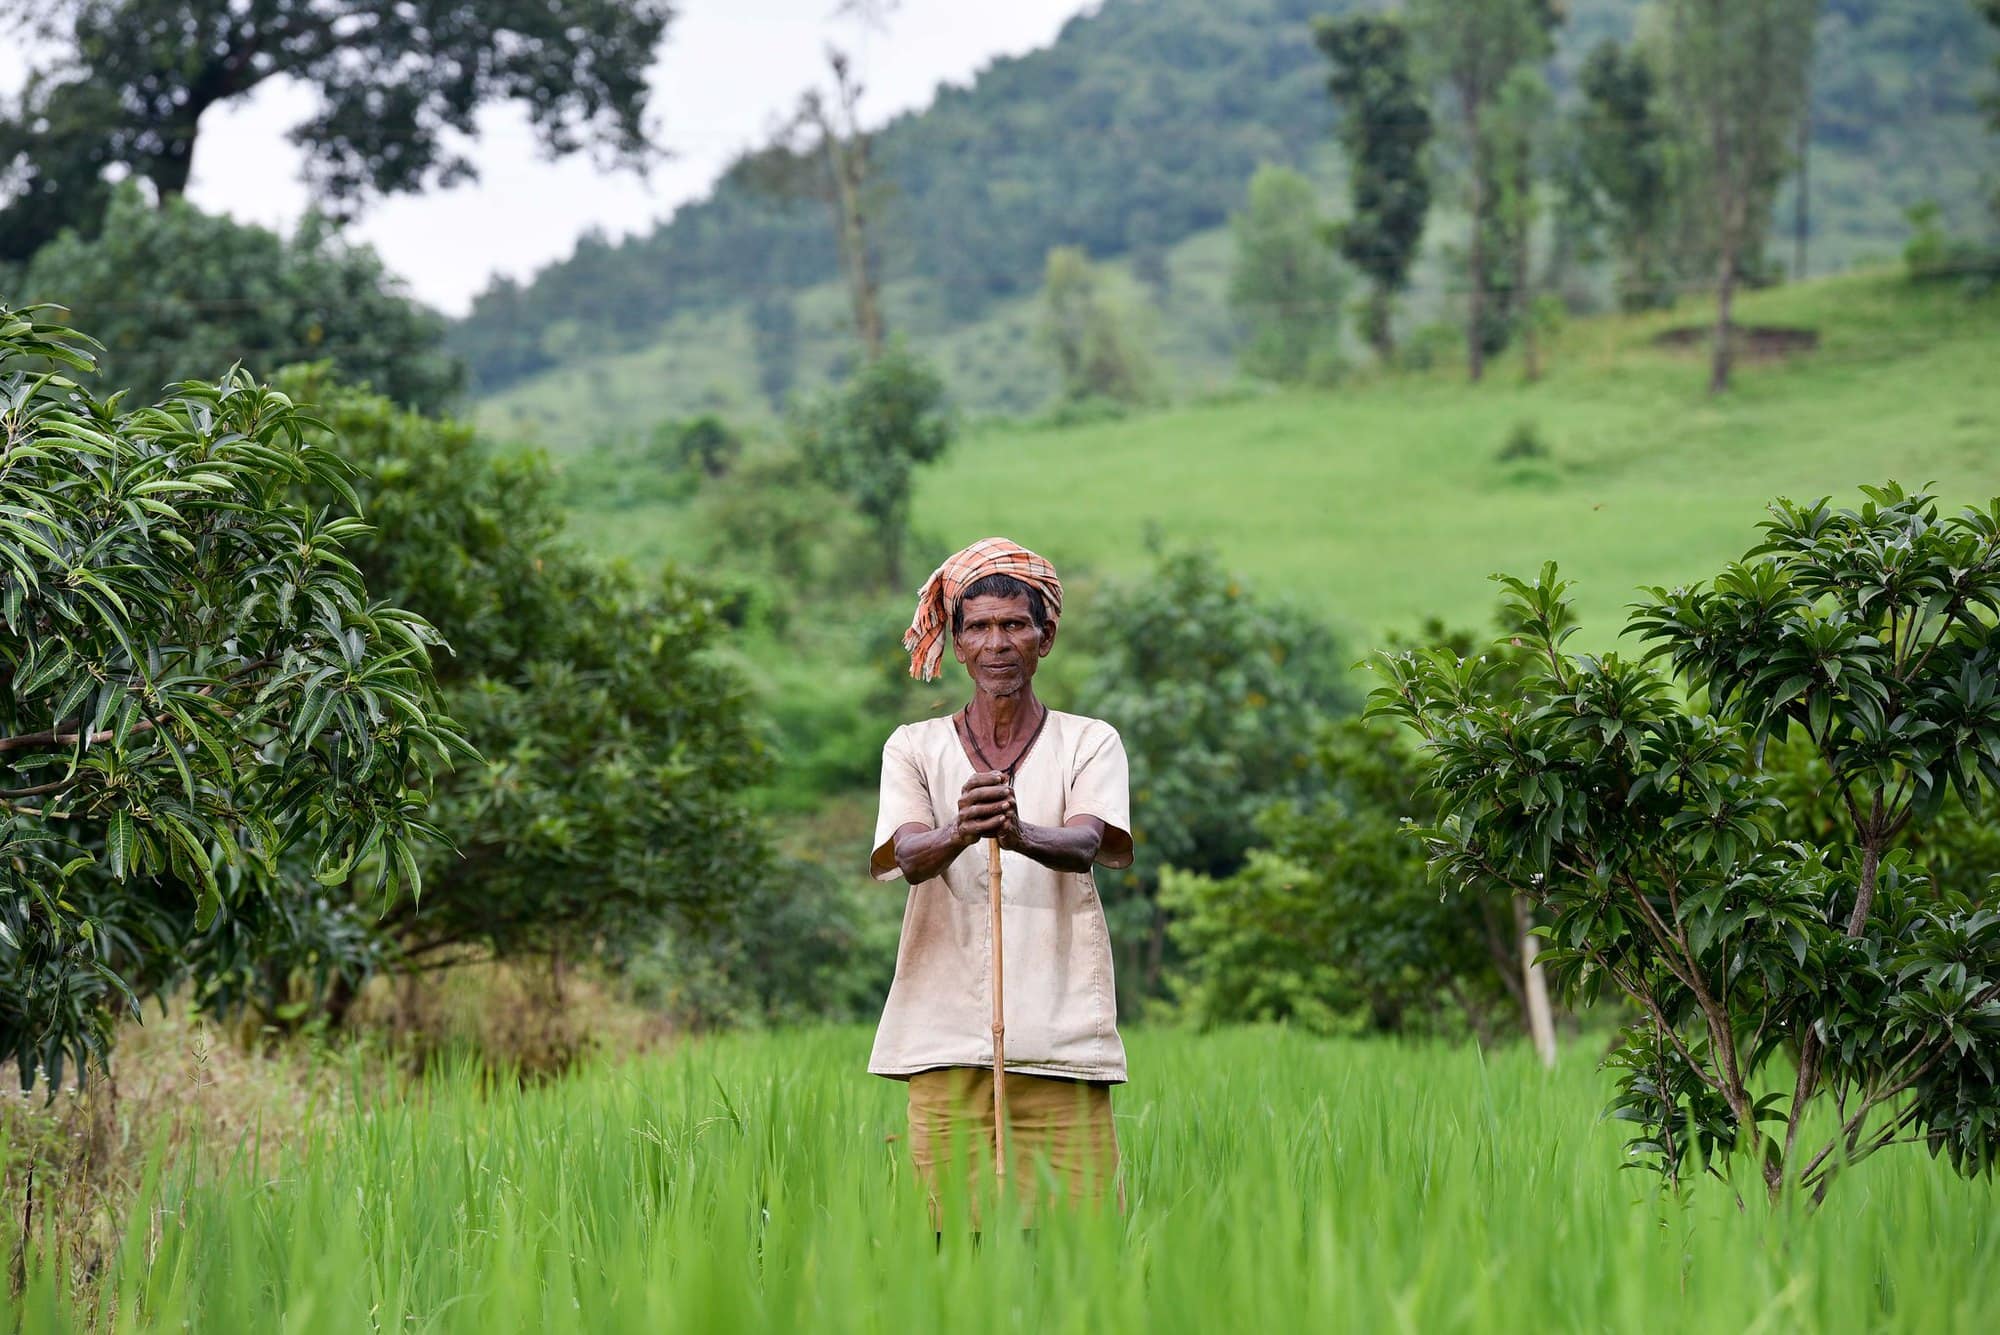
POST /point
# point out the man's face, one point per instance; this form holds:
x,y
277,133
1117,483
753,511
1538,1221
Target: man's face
x,y
1000,644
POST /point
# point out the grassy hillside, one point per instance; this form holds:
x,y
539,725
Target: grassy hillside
x,y
1382,502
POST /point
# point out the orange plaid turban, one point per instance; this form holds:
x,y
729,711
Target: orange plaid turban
x,y
938,600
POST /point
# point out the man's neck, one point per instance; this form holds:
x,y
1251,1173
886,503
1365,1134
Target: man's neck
x,y
1000,719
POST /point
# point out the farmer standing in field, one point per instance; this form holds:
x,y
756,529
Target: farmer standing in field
x,y
1051,788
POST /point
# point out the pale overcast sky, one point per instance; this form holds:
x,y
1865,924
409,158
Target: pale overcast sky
x,y
730,69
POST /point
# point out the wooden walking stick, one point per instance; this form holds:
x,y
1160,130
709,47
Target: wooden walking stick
x,y
999,1014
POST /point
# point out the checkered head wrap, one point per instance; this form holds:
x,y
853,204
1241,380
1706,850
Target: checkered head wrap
x,y
937,602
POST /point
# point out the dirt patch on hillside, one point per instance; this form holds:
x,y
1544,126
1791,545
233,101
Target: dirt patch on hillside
x,y
1755,342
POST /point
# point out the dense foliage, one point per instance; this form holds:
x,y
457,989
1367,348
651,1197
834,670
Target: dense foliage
x,y
1332,925
399,88
610,804
1625,154
1219,696
199,682
174,292
1632,807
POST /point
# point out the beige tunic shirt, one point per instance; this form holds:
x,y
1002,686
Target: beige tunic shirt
x,y
1061,1011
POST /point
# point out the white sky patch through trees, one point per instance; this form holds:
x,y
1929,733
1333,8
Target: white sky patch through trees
x,y
729,71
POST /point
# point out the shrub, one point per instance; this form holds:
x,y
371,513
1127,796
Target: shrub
x,y
1330,923
1218,695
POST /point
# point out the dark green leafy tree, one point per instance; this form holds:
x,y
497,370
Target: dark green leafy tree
x,y
1644,827
1473,48
1087,334
1625,154
1331,924
175,292
399,90
809,948
610,804
1285,286
867,438
706,445
1219,696
1385,127
199,683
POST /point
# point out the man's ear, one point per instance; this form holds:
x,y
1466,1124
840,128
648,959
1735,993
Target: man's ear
x,y
1048,638
957,650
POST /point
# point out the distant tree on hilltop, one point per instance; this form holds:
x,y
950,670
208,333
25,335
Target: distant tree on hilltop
x,y
1385,128
1473,48
1285,285
1085,332
1739,71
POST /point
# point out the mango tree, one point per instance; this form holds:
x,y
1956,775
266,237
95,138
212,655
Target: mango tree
x,y
196,683
1768,977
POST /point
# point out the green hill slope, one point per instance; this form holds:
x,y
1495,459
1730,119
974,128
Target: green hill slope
x,y
1133,135
1384,502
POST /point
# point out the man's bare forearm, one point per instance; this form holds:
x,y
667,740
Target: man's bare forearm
x,y
1070,848
923,854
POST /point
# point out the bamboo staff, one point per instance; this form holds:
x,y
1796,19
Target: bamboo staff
x,y
999,1014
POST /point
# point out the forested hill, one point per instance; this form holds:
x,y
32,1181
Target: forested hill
x,y
1140,125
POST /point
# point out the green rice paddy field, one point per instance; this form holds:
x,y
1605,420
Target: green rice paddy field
x,y
1276,1182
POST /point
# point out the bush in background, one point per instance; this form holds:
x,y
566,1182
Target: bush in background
x,y
174,293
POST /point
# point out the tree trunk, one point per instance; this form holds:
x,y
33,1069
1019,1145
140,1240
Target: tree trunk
x,y
846,146
1802,218
169,169
1725,339
1381,330
1475,295
1541,1020
854,233
341,995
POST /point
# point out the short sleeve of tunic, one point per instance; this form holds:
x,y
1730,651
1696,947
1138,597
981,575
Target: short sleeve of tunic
x,y
906,800
1099,787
